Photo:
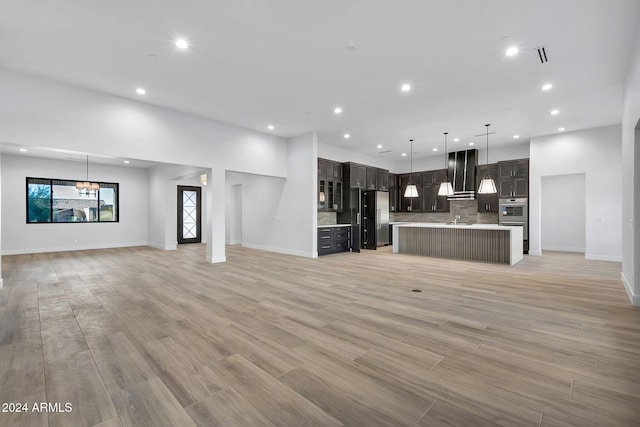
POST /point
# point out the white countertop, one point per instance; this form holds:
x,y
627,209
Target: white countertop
x,y
442,225
334,225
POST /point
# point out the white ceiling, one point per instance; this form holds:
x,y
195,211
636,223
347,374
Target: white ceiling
x,y
288,62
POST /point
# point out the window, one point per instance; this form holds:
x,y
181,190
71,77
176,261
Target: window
x,y
57,200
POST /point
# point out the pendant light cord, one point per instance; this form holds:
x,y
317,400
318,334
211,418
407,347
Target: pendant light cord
x,y
487,125
446,166
411,170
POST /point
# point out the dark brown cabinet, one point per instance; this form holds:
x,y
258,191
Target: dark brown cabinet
x,y
333,239
513,178
487,202
434,177
372,178
393,192
330,187
334,170
382,180
355,175
431,202
409,204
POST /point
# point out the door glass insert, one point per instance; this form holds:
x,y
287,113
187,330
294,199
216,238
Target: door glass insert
x,y
189,210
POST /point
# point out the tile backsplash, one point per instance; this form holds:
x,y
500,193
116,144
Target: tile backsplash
x,y
327,218
467,209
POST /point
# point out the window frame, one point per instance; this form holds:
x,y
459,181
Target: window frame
x,y
51,180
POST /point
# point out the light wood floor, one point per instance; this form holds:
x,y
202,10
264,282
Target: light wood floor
x,y
145,337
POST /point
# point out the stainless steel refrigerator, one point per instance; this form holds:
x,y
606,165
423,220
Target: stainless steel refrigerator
x,y
375,219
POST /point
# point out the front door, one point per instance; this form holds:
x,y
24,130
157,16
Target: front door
x,y
189,214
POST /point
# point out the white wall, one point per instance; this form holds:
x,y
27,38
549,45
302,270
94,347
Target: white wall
x,y
277,214
631,178
295,231
19,237
497,154
260,200
233,234
339,154
563,207
596,153
162,199
38,112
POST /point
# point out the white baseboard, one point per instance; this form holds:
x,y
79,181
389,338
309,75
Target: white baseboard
x,y
163,247
233,242
72,248
216,260
601,257
535,253
635,299
279,250
563,249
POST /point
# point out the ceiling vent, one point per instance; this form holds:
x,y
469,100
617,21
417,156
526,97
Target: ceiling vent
x,y
542,54
385,151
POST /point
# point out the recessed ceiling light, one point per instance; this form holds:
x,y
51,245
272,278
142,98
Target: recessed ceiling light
x,y
547,86
182,44
24,150
435,149
347,136
511,51
127,162
456,139
379,146
405,87
337,110
141,91
554,112
472,143
516,136
271,127
560,129
404,154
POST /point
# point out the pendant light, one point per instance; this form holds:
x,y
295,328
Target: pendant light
x,y
446,189
86,187
411,191
487,185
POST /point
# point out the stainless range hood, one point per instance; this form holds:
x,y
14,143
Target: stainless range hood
x,y
462,174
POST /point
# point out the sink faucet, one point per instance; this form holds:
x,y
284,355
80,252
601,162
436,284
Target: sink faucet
x,y
455,219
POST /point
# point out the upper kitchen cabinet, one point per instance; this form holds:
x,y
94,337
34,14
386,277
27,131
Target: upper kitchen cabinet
x,y
393,192
330,186
355,175
377,179
513,178
487,202
514,168
372,178
430,200
433,177
322,167
408,204
334,170
382,178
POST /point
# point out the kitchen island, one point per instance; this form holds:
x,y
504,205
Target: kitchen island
x,y
477,242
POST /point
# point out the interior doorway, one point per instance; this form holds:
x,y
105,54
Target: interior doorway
x,y
189,214
563,213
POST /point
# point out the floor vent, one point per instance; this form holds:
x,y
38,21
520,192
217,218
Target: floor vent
x,y
542,54
416,290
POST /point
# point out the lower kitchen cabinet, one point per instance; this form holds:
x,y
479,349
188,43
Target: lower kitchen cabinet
x,y
334,239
